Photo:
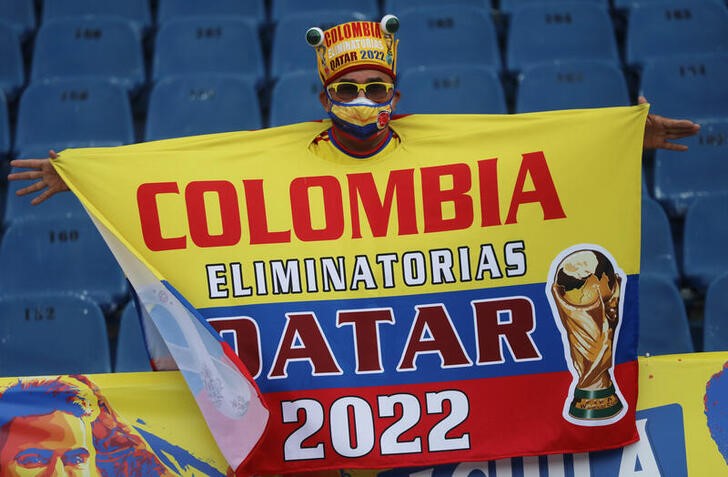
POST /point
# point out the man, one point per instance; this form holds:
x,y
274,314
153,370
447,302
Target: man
x,y
65,427
359,94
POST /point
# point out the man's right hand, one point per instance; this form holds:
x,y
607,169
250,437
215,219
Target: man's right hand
x,y
39,169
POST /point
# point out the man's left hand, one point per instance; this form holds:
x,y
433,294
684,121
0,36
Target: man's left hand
x,y
659,129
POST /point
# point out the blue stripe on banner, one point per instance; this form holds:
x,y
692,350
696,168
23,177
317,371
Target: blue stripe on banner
x,y
296,336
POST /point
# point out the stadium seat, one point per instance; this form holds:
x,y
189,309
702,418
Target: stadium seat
x,y
680,177
49,334
201,104
664,326
174,9
295,98
705,255
628,4
363,8
72,113
680,27
89,47
20,15
12,73
131,350
396,7
208,44
19,207
289,51
687,87
658,249
136,12
5,145
509,6
66,255
455,89
571,85
715,324
543,32
446,35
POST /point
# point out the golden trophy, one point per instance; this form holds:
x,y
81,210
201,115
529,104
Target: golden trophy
x,y
586,293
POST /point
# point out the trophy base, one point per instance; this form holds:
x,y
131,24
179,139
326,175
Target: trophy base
x,y
596,404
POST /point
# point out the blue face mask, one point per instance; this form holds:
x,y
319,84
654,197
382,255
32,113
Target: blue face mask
x,y
361,117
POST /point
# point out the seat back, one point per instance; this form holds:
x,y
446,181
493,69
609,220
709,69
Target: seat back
x,y
5,145
509,6
136,12
546,32
289,51
702,170
658,249
65,255
89,47
396,7
664,327
456,89
50,334
201,104
715,323
678,27
20,15
295,98
363,8
447,35
705,255
208,44
690,87
173,9
12,72
571,85
68,113
131,350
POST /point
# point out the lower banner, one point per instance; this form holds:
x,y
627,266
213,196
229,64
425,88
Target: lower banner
x,y
147,424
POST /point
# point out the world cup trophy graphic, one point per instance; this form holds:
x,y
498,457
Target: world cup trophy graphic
x,y
586,291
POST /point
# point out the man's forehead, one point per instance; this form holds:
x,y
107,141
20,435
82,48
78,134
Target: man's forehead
x,y
365,76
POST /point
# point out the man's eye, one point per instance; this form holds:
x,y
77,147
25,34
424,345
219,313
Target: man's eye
x,y
75,457
32,460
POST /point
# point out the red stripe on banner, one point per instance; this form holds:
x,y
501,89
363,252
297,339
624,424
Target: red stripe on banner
x,y
434,423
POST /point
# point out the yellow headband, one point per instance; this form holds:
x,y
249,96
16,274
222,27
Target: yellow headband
x,y
354,46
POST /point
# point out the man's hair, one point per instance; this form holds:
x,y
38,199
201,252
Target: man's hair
x,y
38,397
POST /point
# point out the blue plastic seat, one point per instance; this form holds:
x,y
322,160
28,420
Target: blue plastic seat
x,y
67,255
136,12
702,170
658,249
208,44
680,27
705,256
89,47
174,9
571,85
396,7
131,349
289,51
50,334
20,15
72,113
5,144
664,327
201,104
364,8
687,87
456,89
295,98
509,6
447,35
543,32
12,73
715,324
628,4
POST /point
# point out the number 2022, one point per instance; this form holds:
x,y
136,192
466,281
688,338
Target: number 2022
x,y
361,427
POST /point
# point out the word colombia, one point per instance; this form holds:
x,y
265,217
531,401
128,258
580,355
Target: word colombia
x,y
440,198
